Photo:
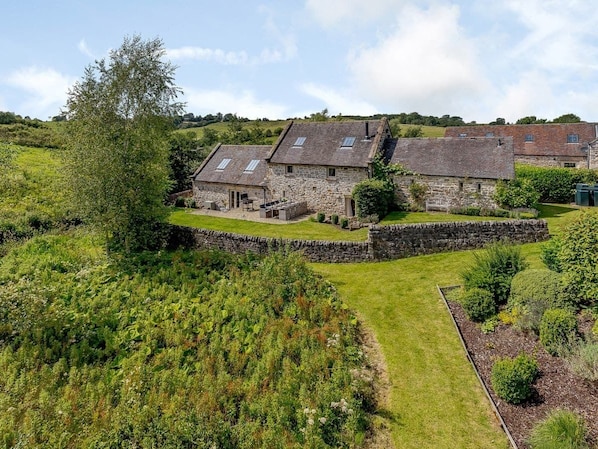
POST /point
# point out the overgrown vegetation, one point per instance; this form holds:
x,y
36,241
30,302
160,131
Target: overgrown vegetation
x,y
175,350
558,331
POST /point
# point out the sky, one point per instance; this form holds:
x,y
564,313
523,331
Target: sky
x,y
280,59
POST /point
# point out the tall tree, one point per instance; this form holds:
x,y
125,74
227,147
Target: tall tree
x,y
120,116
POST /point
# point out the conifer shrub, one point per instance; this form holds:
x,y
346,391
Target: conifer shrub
x,y
558,331
334,219
493,270
478,304
320,217
512,378
344,223
561,429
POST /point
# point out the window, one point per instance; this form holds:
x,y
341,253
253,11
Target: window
x,y
348,142
299,142
569,164
489,134
223,164
529,137
479,188
462,134
461,186
331,172
289,169
572,138
251,166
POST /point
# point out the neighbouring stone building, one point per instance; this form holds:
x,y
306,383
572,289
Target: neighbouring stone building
x,y
549,144
455,173
319,163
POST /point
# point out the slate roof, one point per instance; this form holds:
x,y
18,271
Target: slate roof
x,y
234,173
486,158
548,139
323,143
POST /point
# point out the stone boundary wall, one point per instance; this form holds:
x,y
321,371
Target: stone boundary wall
x,y
399,241
313,250
383,243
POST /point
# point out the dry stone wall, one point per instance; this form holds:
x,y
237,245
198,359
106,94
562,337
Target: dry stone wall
x,y
383,243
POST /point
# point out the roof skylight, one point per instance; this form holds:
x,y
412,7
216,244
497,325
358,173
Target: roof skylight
x,y
348,142
223,164
251,166
299,142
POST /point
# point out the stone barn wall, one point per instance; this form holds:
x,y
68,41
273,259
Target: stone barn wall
x,y
312,184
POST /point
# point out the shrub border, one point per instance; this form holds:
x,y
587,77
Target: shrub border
x,y
475,368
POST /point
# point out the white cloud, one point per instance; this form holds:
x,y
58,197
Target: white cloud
x,y
83,48
46,90
425,64
208,54
338,102
348,13
244,103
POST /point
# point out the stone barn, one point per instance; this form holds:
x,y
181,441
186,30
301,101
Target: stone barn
x,y
321,162
454,172
232,176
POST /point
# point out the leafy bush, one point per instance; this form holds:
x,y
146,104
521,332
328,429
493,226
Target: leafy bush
x,y
344,223
478,304
190,203
512,379
516,193
373,197
554,184
558,331
493,269
583,361
179,202
561,429
334,219
418,192
578,259
320,217
532,293
550,254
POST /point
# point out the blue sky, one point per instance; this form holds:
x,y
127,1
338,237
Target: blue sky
x,y
289,58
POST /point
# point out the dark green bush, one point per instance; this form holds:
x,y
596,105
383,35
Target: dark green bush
x,y
493,269
516,193
555,184
320,217
334,219
373,197
561,429
179,202
512,379
344,223
478,304
532,293
578,259
558,331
